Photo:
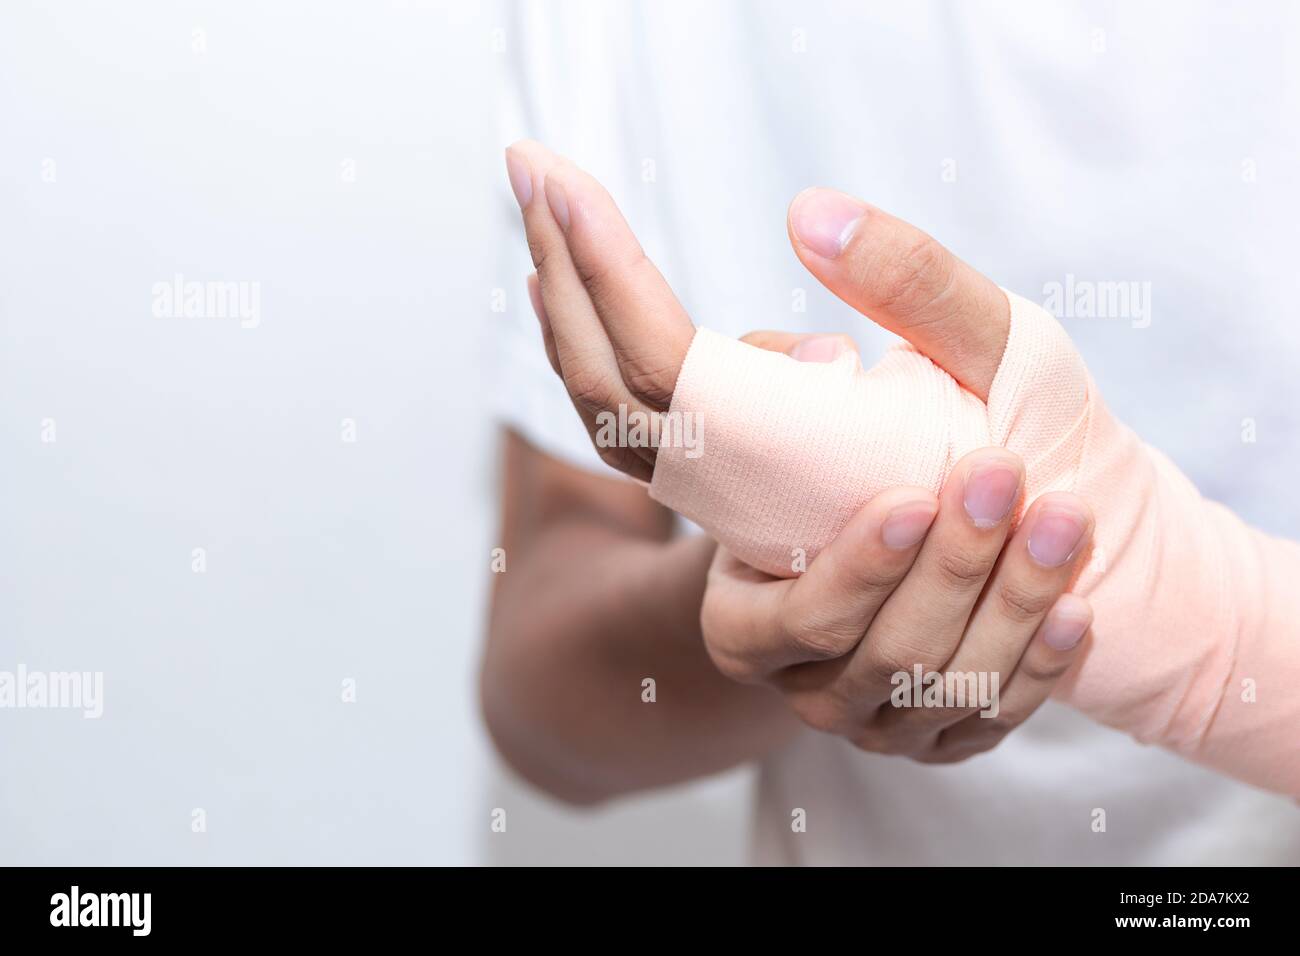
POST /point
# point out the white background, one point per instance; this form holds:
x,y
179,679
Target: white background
x,y
213,140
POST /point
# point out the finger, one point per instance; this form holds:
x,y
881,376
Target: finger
x,y
922,622
580,340
1060,639
829,607
802,348
740,617
1056,645
648,327
905,281
582,349
539,309
1033,571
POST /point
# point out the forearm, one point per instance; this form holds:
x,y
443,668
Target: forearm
x,y
584,616
1202,654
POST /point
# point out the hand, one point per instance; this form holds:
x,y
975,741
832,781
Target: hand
x,y
613,330
834,639
900,588
616,334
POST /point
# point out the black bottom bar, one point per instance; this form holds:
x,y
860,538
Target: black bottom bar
x,y
338,905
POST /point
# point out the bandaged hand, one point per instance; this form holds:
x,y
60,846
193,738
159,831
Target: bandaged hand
x,y
1196,645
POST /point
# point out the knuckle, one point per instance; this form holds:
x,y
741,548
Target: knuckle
x,y
916,277
885,661
948,714
1022,604
961,569
650,381
818,644
590,391
870,579
816,638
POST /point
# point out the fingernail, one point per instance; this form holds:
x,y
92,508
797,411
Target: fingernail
x,y
521,179
824,219
558,202
816,348
1061,632
1055,537
906,525
991,490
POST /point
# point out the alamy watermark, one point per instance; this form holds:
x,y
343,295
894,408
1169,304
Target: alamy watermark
x,y
637,429
193,299
129,910
1075,298
55,690
957,689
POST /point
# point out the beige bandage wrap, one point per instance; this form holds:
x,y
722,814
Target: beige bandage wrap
x,y
1196,645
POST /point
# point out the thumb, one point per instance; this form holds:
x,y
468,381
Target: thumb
x,y
905,281
802,348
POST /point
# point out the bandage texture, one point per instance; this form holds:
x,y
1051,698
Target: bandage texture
x,y
1196,643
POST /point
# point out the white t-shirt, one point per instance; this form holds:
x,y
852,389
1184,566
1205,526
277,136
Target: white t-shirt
x,y
1056,147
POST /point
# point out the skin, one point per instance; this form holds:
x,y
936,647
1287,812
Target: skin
x,y
599,595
